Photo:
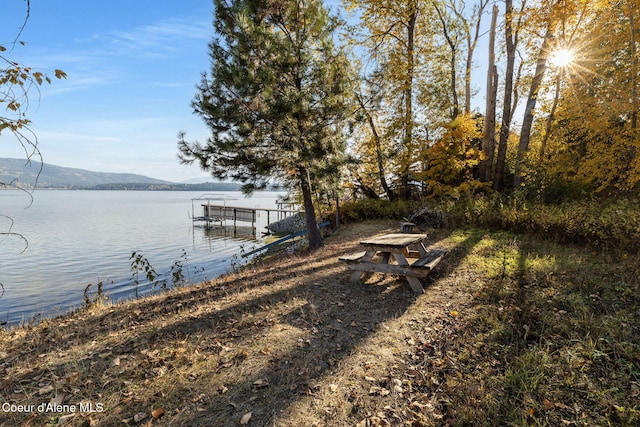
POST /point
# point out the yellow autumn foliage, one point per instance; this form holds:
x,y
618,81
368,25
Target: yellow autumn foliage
x,y
452,159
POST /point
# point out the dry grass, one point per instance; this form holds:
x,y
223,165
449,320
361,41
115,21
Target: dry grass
x,y
290,342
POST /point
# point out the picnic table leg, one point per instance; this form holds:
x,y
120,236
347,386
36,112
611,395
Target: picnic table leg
x,y
421,249
356,275
414,282
415,285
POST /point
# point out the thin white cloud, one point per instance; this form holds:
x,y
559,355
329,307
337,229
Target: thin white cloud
x,y
75,83
89,64
156,40
173,85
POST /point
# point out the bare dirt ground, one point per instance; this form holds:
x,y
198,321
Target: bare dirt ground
x,y
289,341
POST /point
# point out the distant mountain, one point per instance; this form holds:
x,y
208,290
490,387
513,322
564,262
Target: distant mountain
x,y
201,180
24,174
207,186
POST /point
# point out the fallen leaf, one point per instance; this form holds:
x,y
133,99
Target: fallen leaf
x,y
139,417
45,389
548,405
245,419
261,383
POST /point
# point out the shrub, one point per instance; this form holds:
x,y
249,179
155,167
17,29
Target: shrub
x,y
369,209
613,225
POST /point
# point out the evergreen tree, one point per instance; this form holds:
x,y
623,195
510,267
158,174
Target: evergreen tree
x,y
274,97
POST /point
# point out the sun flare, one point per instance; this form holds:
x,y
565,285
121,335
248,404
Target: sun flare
x,y
561,57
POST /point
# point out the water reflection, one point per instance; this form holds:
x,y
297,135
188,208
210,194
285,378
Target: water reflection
x,y
81,237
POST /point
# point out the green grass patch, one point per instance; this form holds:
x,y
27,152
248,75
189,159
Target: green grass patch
x,y
554,335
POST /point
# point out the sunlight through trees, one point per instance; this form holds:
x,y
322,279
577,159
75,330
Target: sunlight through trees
x,y
561,96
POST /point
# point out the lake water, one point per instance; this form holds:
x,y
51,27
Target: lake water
x,y
81,237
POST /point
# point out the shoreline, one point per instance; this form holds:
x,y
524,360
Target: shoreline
x,y
290,341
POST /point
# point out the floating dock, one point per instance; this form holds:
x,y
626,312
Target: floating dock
x,y
215,211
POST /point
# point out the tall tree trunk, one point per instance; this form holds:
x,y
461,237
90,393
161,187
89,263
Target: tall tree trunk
x,y
489,136
634,69
527,123
453,45
408,102
379,157
505,129
456,104
313,232
634,82
552,113
467,82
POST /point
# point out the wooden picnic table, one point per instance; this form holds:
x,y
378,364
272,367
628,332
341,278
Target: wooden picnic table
x,y
391,253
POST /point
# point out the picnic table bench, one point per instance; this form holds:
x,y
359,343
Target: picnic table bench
x,y
380,251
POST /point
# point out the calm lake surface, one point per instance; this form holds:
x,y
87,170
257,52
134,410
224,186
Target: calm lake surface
x,y
81,237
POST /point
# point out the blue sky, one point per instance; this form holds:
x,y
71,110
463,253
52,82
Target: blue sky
x,y
132,67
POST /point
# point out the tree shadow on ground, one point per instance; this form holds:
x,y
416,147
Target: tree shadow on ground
x,y
254,343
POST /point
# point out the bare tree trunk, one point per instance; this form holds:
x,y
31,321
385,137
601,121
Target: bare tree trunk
x,y
472,42
634,70
552,113
489,136
379,156
456,104
505,129
408,100
313,232
527,123
467,82
453,45
634,82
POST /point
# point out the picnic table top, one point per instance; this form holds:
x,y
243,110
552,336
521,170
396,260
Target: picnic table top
x,y
395,240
